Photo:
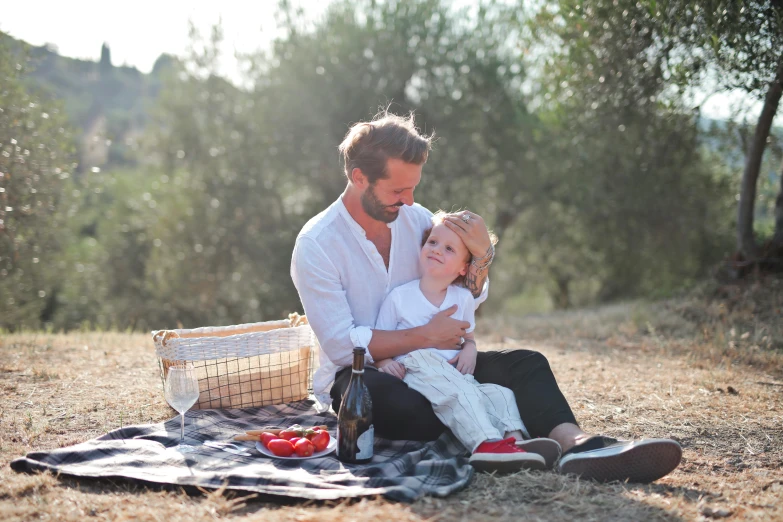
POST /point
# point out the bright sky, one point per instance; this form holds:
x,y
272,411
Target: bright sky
x,y
138,32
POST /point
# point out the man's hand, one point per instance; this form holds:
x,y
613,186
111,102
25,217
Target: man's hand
x,y
443,332
470,227
391,367
466,359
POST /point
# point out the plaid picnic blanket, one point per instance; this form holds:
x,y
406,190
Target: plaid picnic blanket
x,y
399,470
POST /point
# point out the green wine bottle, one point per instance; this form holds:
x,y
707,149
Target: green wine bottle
x,y
355,433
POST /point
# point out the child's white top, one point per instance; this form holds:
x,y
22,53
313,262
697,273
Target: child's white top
x,y
406,307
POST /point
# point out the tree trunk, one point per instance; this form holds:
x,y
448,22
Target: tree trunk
x,y
563,295
777,240
746,241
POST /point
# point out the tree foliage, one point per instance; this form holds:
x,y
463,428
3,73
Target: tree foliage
x,y
579,153
35,163
687,45
630,165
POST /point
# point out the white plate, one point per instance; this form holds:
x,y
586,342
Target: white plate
x,y
329,448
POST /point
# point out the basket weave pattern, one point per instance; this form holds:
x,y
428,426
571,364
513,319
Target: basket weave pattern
x,y
246,365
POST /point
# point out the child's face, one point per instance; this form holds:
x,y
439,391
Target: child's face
x,y
444,254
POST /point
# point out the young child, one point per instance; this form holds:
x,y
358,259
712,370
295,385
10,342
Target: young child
x,y
481,416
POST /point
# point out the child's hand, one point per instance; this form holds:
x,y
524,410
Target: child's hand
x,y
391,367
466,358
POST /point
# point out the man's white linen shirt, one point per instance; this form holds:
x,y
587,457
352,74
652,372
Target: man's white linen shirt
x,y
342,281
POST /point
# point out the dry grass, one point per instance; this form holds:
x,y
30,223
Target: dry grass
x,y
629,371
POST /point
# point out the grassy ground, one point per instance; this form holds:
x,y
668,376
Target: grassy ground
x,y
705,370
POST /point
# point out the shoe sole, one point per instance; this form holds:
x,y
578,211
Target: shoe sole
x,y
547,448
502,464
643,461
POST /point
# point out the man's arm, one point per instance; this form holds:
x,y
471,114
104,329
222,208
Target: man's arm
x,y
442,332
323,298
476,278
475,235
388,342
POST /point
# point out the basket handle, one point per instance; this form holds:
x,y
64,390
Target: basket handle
x,y
165,335
297,320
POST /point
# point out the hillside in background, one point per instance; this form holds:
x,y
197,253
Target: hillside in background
x,y
109,105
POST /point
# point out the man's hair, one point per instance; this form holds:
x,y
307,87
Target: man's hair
x,y
368,145
438,219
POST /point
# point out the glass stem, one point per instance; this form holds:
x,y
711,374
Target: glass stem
x,y
182,429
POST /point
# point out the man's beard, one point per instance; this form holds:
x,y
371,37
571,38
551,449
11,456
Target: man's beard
x,y
377,210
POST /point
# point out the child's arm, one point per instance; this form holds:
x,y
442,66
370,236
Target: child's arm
x,y
441,332
465,361
466,358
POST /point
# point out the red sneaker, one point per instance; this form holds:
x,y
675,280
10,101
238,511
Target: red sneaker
x,y
503,456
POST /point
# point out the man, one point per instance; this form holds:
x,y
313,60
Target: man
x,y
348,257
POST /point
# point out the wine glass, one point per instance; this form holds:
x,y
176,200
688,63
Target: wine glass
x,y
181,390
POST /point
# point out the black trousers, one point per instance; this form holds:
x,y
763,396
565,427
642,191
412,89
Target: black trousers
x,y
399,412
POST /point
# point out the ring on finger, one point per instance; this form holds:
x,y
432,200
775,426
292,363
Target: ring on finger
x,y
466,218
461,341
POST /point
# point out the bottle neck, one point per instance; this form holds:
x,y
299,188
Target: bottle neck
x,y
358,361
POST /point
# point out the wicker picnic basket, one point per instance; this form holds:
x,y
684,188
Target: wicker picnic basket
x,y
245,365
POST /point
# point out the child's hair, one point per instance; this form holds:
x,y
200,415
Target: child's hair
x,y
438,219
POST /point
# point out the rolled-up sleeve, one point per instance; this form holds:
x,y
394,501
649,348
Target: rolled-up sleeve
x,y
325,304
